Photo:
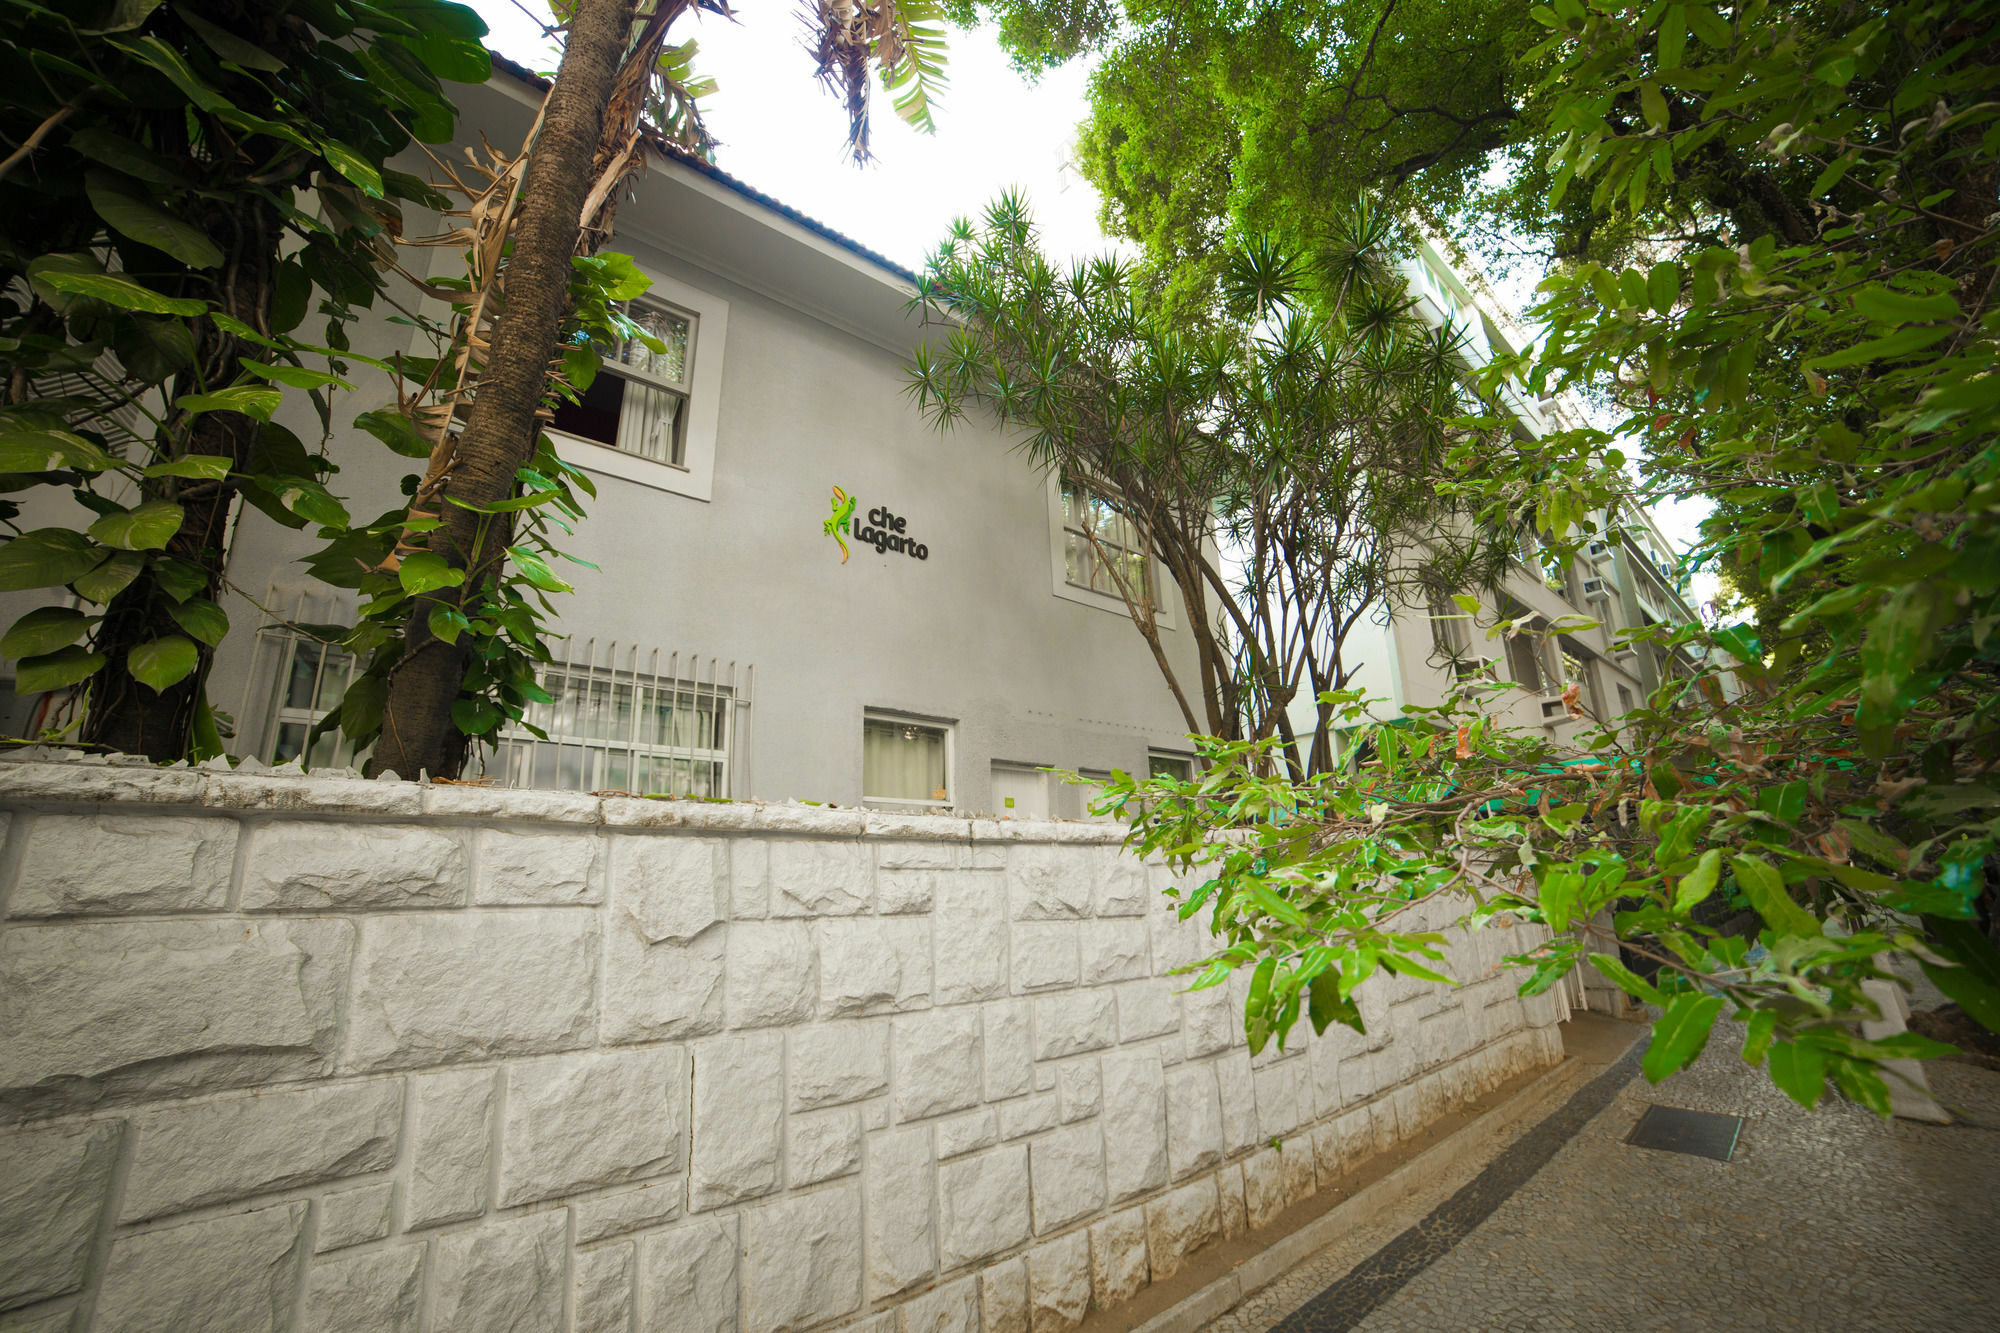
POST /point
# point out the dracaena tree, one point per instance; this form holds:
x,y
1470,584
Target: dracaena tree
x,y
1278,458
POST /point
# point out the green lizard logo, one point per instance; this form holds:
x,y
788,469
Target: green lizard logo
x,y
843,509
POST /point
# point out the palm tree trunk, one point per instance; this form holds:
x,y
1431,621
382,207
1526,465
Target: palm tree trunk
x,y
500,429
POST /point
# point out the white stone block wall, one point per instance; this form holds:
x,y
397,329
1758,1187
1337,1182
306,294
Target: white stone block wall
x,y
309,1053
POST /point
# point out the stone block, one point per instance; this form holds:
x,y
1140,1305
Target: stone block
x,y
873,966
210,1152
823,1145
1135,1123
802,1260
952,1308
53,1184
969,923
378,1292
821,878
1358,1082
902,1242
1179,1223
1045,955
1009,1049
1121,887
236,1272
1118,1267
983,1205
1148,1009
1371,997
78,864
1073,1022
920,855
1029,1115
582,1122
688,1274
354,1217
1113,950
1235,1211
1066,1172
1177,944
118,1011
938,1066
749,879
1194,1120
1264,1185
473,986
769,976
1079,1089
1239,1103
1047,883
739,1119
670,887
451,1135
539,869
306,867
505,1277
603,1296
660,992
1059,1283
626,1211
967,1133
839,1062
902,892
1301,1178
1410,1120
1382,1124
1278,1109
1324,1060
1003,1297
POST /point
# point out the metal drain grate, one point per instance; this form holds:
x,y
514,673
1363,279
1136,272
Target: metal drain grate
x,y
1697,1133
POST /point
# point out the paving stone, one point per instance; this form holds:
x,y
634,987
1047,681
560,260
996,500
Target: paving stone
x,y
821,878
839,1062
451,1135
125,1010
873,966
541,869
902,1243
603,1296
213,1151
625,1211
688,1274
354,1217
312,866
1009,1049
802,1260
952,1308
1059,1283
377,1292
823,1145
938,1066
582,1122
1118,1265
505,1277
983,1205
1135,1124
1066,1169
53,1184
236,1272
79,864
431,989
969,925
739,1119
769,974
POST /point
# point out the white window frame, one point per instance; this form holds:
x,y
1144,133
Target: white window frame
x,y
945,725
599,753
1163,606
694,475
282,715
1174,757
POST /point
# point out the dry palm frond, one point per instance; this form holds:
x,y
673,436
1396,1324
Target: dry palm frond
x,y
904,38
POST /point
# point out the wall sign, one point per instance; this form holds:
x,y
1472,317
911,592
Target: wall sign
x,y
880,528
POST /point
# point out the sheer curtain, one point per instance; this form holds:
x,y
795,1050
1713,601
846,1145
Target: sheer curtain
x,y
901,761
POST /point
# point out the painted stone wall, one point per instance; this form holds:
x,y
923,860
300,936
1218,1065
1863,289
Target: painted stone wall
x,y
279,1052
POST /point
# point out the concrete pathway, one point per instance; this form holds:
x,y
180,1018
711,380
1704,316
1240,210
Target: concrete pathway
x,y
1829,1219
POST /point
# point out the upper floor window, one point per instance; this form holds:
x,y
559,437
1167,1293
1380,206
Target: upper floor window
x,y
638,402
1103,551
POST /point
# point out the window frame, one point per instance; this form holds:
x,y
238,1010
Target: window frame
x,y
1059,529
280,714
681,389
719,757
946,726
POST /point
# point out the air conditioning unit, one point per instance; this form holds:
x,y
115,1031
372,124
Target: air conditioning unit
x,y
1596,588
1597,552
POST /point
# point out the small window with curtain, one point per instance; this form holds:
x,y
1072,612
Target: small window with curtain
x,y
905,762
1102,549
638,402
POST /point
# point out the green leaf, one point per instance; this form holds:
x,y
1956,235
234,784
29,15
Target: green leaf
x,y
200,467
298,377
1697,884
475,717
1673,37
1765,887
353,166
1560,887
1663,287
447,622
148,225
44,630
55,671
108,579
46,558
1885,305
201,618
229,46
146,527
1881,349
1757,1035
1625,979
395,430
535,570
424,571
452,58
155,52
249,399
1326,1006
1975,982
50,451
1653,105
118,291
361,707
161,663
1680,1033
1799,1070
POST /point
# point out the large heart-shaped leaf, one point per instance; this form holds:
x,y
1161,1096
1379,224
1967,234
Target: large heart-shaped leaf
x,y
146,527
122,292
50,451
107,580
162,662
134,217
46,558
44,630
201,618
54,671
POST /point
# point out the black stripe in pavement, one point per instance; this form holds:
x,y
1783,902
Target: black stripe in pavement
x,y
1370,1284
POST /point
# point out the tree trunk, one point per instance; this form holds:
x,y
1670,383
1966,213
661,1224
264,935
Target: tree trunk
x,y
500,430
